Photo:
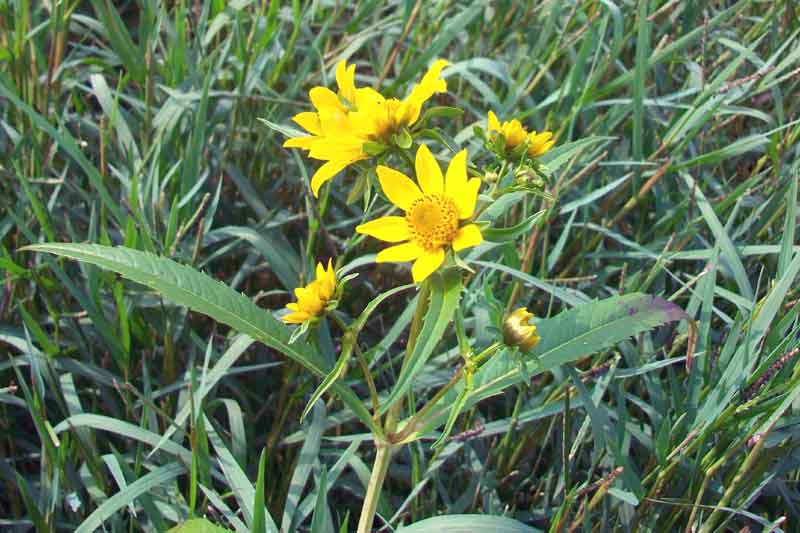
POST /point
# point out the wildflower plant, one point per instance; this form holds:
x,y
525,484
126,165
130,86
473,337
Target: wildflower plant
x,y
441,209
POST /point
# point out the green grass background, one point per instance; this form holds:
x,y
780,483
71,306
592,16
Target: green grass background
x,y
136,123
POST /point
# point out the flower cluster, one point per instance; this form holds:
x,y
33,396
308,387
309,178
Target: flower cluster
x,y
346,121
437,209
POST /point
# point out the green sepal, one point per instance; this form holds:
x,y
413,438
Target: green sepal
x,y
402,139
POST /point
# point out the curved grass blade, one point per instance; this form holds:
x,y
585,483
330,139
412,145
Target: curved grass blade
x,y
461,523
143,485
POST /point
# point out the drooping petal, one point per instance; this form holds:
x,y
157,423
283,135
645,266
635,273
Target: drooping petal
x,y
325,173
398,187
493,123
467,237
427,264
430,84
400,253
389,229
293,306
308,121
323,98
429,174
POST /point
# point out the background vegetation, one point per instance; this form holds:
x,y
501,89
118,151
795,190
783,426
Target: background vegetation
x,y
136,123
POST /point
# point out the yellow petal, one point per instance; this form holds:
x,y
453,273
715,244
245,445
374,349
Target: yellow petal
x,y
325,173
429,175
309,121
323,98
296,318
427,264
494,124
293,306
456,177
346,80
389,229
320,271
306,143
466,199
467,237
462,191
427,87
400,253
398,187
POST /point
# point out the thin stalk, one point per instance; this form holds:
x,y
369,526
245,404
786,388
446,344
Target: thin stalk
x,y
379,470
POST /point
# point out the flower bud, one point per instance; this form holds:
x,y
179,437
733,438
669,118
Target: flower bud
x,y
517,331
527,176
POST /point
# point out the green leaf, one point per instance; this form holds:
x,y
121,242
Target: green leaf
x,y
126,496
321,520
512,232
467,523
351,337
588,328
68,143
259,522
727,249
445,293
201,293
309,453
198,525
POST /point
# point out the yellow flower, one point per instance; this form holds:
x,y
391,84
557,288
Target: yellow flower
x,y
432,215
517,331
344,121
312,299
515,134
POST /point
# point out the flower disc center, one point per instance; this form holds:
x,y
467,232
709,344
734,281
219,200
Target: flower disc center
x,y
432,221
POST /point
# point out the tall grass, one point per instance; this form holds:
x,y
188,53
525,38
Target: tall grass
x,y
676,173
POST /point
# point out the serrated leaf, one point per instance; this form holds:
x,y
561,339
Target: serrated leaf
x,y
586,329
201,293
512,232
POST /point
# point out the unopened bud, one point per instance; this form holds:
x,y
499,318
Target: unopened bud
x,y
490,177
518,332
527,176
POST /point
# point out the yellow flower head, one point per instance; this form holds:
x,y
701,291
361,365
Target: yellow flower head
x,y
517,331
433,214
344,121
312,299
515,134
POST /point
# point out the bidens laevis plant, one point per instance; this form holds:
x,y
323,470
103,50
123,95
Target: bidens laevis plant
x,y
440,223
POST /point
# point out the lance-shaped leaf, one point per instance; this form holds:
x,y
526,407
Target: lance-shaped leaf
x,y
445,293
199,292
586,329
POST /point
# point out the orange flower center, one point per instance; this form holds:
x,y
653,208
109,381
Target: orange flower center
x,y
432,221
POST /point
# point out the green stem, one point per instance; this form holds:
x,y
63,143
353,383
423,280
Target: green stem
x,y
379,470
